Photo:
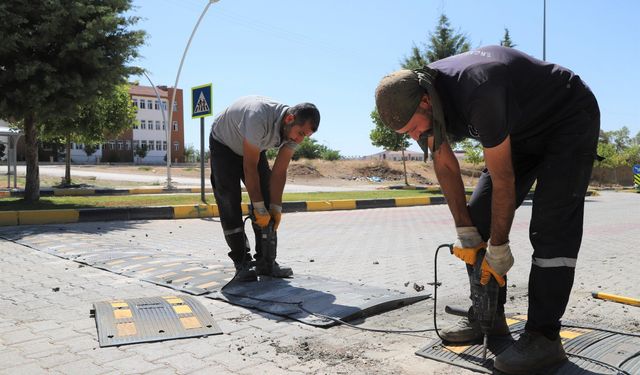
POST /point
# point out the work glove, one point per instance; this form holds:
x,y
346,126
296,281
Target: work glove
x,y
276,213
497,262
261,216
467,245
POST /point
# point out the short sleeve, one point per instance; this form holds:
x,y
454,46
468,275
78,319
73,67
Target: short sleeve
x,y
492,113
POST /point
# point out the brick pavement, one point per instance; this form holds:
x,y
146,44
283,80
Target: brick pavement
x,y
47,331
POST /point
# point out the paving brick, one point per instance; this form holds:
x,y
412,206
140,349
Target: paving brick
x,y
183,363
81,367
133,365
30,368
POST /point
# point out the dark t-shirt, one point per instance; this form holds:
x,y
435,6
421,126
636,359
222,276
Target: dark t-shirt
x,y
495,91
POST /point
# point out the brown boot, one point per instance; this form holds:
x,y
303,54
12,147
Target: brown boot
x,y
532,352
465,330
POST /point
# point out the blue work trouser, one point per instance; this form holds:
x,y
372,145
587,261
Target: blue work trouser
x,y
226,173
560,162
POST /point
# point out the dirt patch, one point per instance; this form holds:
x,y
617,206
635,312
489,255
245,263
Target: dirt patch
x,y
305,170
379,170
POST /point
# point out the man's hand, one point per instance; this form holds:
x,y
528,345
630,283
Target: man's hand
x,y
467,245
261,215
497,262
276,213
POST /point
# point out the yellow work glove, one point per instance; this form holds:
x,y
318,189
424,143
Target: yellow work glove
x,y
276,213
261,215
497,262
467,245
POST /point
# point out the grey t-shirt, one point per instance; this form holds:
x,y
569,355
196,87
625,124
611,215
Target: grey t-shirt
x,y
255,118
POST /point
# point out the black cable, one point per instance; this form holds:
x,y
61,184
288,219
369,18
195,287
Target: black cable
x,y
435,287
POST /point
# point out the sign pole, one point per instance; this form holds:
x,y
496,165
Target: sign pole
x,y
202,161
201,107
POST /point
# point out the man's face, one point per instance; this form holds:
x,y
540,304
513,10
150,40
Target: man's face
x,y
296,133
419,123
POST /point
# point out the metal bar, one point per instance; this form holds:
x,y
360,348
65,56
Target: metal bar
x,y
202,160
616,298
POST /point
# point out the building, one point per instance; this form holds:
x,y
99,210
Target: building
x,y
396,156
150,132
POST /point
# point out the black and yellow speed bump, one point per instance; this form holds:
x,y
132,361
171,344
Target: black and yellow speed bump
x,y
132,321
590,351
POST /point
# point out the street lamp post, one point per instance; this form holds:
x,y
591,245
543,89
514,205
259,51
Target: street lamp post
x,y
175,87
164,119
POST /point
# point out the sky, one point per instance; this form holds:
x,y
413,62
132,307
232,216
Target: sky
x,y
333,53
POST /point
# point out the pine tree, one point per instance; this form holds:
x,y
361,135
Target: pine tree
x,y
506,39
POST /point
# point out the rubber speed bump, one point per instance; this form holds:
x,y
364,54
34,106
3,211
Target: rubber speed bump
x,y
590,351
132,321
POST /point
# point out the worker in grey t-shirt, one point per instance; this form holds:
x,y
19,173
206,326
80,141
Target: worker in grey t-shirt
x,y
239,138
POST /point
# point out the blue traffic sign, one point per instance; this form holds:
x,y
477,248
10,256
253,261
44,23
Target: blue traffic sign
x,y
636,169
201,101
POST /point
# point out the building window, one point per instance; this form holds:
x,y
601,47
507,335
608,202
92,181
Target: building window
x,y
156,105
120,145
157,125
151,146
175,126
135,102
158,145
142,104
176,146
143,124
136,145
143,145
164,145
127,145
164,105
164,125
80,146
136,125
112,145
175,106
149,104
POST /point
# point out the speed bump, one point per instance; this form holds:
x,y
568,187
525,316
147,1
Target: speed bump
x,y
131,321
589,349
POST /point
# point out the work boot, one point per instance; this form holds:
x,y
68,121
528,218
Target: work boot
x,y
244,272
276,270
465,330
532,352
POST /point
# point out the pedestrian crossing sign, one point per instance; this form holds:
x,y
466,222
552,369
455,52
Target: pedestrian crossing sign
x,y
636,176
201,101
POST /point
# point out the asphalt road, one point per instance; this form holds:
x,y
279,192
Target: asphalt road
x,y
87,171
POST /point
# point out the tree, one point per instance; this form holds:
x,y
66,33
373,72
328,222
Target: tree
x,y
310,149
472,151
383,136
191,154
506,40
56,56
141,152
109,114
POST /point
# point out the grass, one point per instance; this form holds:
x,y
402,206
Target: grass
x,y
49,181
76,202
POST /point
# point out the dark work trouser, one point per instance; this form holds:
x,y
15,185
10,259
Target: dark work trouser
x,y
226,173
561,162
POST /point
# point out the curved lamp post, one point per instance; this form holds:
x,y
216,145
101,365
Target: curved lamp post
x,y
173,94
164,119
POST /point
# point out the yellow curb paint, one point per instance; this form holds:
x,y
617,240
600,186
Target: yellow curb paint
x,y
414,201
245,209
343,204
8,218
192,211
146,191
48,216
319,206
69,192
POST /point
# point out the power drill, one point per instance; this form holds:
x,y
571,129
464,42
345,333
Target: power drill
x,y
484,299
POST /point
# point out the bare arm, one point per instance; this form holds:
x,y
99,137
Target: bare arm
x,y
503,197
448,172
250,166
279,174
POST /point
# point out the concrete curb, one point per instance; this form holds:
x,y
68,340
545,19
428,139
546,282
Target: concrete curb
x,y
104,191
35,217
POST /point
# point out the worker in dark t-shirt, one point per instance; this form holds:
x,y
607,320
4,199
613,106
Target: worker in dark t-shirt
x,y
537,122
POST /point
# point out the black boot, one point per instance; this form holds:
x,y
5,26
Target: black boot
x,y
468,330
532,352
244,272
273,269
